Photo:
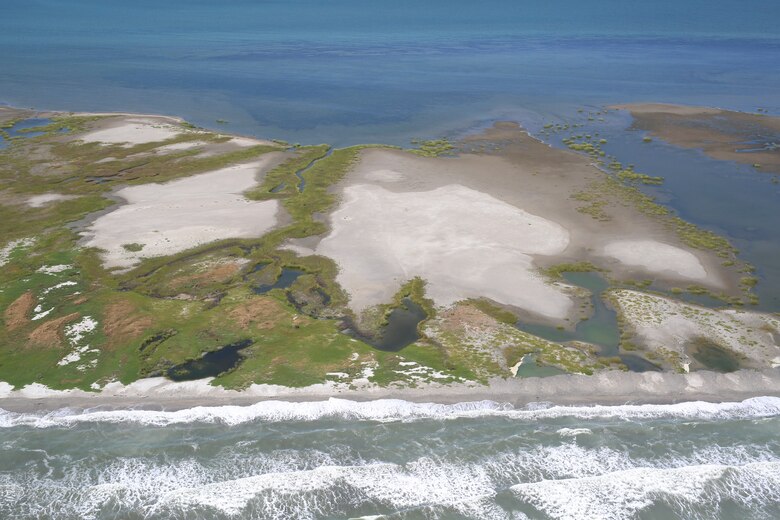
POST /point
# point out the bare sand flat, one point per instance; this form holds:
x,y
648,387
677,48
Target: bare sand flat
x,y
464,243
462,223
163,219
133,130
657,257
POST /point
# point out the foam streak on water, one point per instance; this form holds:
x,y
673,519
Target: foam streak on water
x,y
395,459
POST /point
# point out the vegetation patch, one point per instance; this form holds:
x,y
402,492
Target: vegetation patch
x,y
556,271
432,148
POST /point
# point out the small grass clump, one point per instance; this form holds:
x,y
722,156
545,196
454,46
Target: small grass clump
x,y
432,147
494,311
556,271
133,248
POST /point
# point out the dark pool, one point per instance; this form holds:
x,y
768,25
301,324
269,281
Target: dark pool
x,y
285,280
715,358
210,364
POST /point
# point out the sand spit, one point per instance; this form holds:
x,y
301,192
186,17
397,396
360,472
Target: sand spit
x,y
464,243
741,137
606,388
657,257
163,219
133,130
667,325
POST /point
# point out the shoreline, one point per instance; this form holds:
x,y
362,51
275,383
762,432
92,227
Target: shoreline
x,y
605,389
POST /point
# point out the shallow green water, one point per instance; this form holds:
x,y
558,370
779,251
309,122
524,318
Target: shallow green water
x,y
600,329
713,357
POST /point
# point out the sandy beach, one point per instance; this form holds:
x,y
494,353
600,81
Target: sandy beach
x,y
613,388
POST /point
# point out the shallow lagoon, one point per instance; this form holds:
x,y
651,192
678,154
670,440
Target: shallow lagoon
x,y
600,329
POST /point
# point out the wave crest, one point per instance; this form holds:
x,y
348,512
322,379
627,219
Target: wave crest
x,y
392,410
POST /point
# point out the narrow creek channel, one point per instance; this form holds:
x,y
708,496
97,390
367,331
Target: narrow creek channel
x,y
299,173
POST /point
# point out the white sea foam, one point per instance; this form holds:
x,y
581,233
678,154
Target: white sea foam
x,y
396,410
564,482
693,492
573,432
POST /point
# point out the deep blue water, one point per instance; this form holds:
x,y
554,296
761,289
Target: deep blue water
x,y
348,71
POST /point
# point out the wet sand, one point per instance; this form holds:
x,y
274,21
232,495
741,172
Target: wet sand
x,y
721,134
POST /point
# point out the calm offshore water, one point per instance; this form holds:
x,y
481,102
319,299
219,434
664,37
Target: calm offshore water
x,y
349,71
356,71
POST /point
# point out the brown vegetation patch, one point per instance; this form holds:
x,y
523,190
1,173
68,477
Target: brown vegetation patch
x,y
121,322
219,273
459,316
16,313
48,333
259,311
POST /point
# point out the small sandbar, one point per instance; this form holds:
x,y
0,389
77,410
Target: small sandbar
x,y
657,257
163,219
38,201
132,131
464,243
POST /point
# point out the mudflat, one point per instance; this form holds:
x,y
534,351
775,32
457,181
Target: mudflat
x,y
721,134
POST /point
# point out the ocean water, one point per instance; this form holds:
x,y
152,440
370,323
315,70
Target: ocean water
x,y
356,71
395,459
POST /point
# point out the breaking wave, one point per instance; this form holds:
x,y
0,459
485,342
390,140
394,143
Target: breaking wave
x,y
394,410
561,482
